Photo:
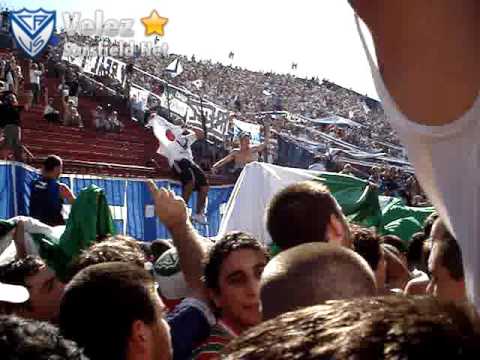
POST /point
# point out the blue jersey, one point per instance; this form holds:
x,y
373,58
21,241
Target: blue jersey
x,y
46,202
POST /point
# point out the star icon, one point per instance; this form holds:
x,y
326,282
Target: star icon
x,y
154,24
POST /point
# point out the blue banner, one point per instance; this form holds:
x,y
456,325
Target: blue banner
x,y
129,200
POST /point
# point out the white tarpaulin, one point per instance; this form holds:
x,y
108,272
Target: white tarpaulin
x,y
255,187
31,226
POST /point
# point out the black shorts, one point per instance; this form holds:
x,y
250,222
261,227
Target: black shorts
x,y
189,171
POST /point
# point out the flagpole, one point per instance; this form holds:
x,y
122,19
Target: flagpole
x,y
167,92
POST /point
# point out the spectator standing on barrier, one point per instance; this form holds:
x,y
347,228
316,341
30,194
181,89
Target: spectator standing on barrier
x,y
191,175
245,155
11,125
48,194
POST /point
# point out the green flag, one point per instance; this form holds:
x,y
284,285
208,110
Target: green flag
x,y
89,219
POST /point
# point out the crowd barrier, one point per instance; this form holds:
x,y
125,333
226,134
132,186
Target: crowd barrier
x,y
129,199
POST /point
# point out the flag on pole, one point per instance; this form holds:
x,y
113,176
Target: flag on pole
x,y
175,68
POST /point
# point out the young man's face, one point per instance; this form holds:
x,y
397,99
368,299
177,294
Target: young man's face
x,y
45,294
161,346
239,287
245,142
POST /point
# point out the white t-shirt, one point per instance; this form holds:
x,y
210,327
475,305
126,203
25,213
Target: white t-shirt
x,y
48,110
317,167
35,76
447,164
9,78
182,147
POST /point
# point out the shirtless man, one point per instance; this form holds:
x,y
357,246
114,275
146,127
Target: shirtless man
x,y
245,155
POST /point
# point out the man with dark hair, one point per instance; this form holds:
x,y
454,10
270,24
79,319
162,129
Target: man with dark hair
x,y
48,194
417,260
112,311
189,322
306,212
311,274
369,245
231,272
447,279
44,288
393,327
22,339
11,125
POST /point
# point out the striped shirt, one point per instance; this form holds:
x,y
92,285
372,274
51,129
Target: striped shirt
x,y
211,348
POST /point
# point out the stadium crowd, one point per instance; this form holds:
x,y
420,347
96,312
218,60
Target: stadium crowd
x,y
325,288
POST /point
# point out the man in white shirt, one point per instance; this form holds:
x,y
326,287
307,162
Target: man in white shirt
x,y
191,175
318,164
35,75
50,114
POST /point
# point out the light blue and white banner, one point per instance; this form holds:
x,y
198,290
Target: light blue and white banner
x,y
129,200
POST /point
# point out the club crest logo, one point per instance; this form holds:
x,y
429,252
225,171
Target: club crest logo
x,y
32,30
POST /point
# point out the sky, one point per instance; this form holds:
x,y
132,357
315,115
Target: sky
x,y
266,35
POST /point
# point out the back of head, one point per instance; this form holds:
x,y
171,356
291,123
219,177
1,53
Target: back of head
x,y
449,251
100,305
300,214
114,249
396,242
311,274
418,252
158,247
22,339
367,244
51,163
365,329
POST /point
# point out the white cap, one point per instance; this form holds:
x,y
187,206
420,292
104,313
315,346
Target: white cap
x,y
169,276
13,293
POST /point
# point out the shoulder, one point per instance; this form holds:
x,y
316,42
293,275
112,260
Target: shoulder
x,y
214,345
63,188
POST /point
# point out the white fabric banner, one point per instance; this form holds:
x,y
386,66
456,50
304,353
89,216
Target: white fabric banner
x,y
245,210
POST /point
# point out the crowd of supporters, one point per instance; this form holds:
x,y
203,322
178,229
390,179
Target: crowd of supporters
x,y
324,288
117,298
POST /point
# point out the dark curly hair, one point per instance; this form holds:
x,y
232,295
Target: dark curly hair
x,y
221,249
367,244
33,340
16,272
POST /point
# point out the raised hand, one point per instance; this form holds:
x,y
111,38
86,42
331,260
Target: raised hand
x,y
170,209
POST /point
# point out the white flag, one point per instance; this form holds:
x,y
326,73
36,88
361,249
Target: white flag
x,y
166,133
175,68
